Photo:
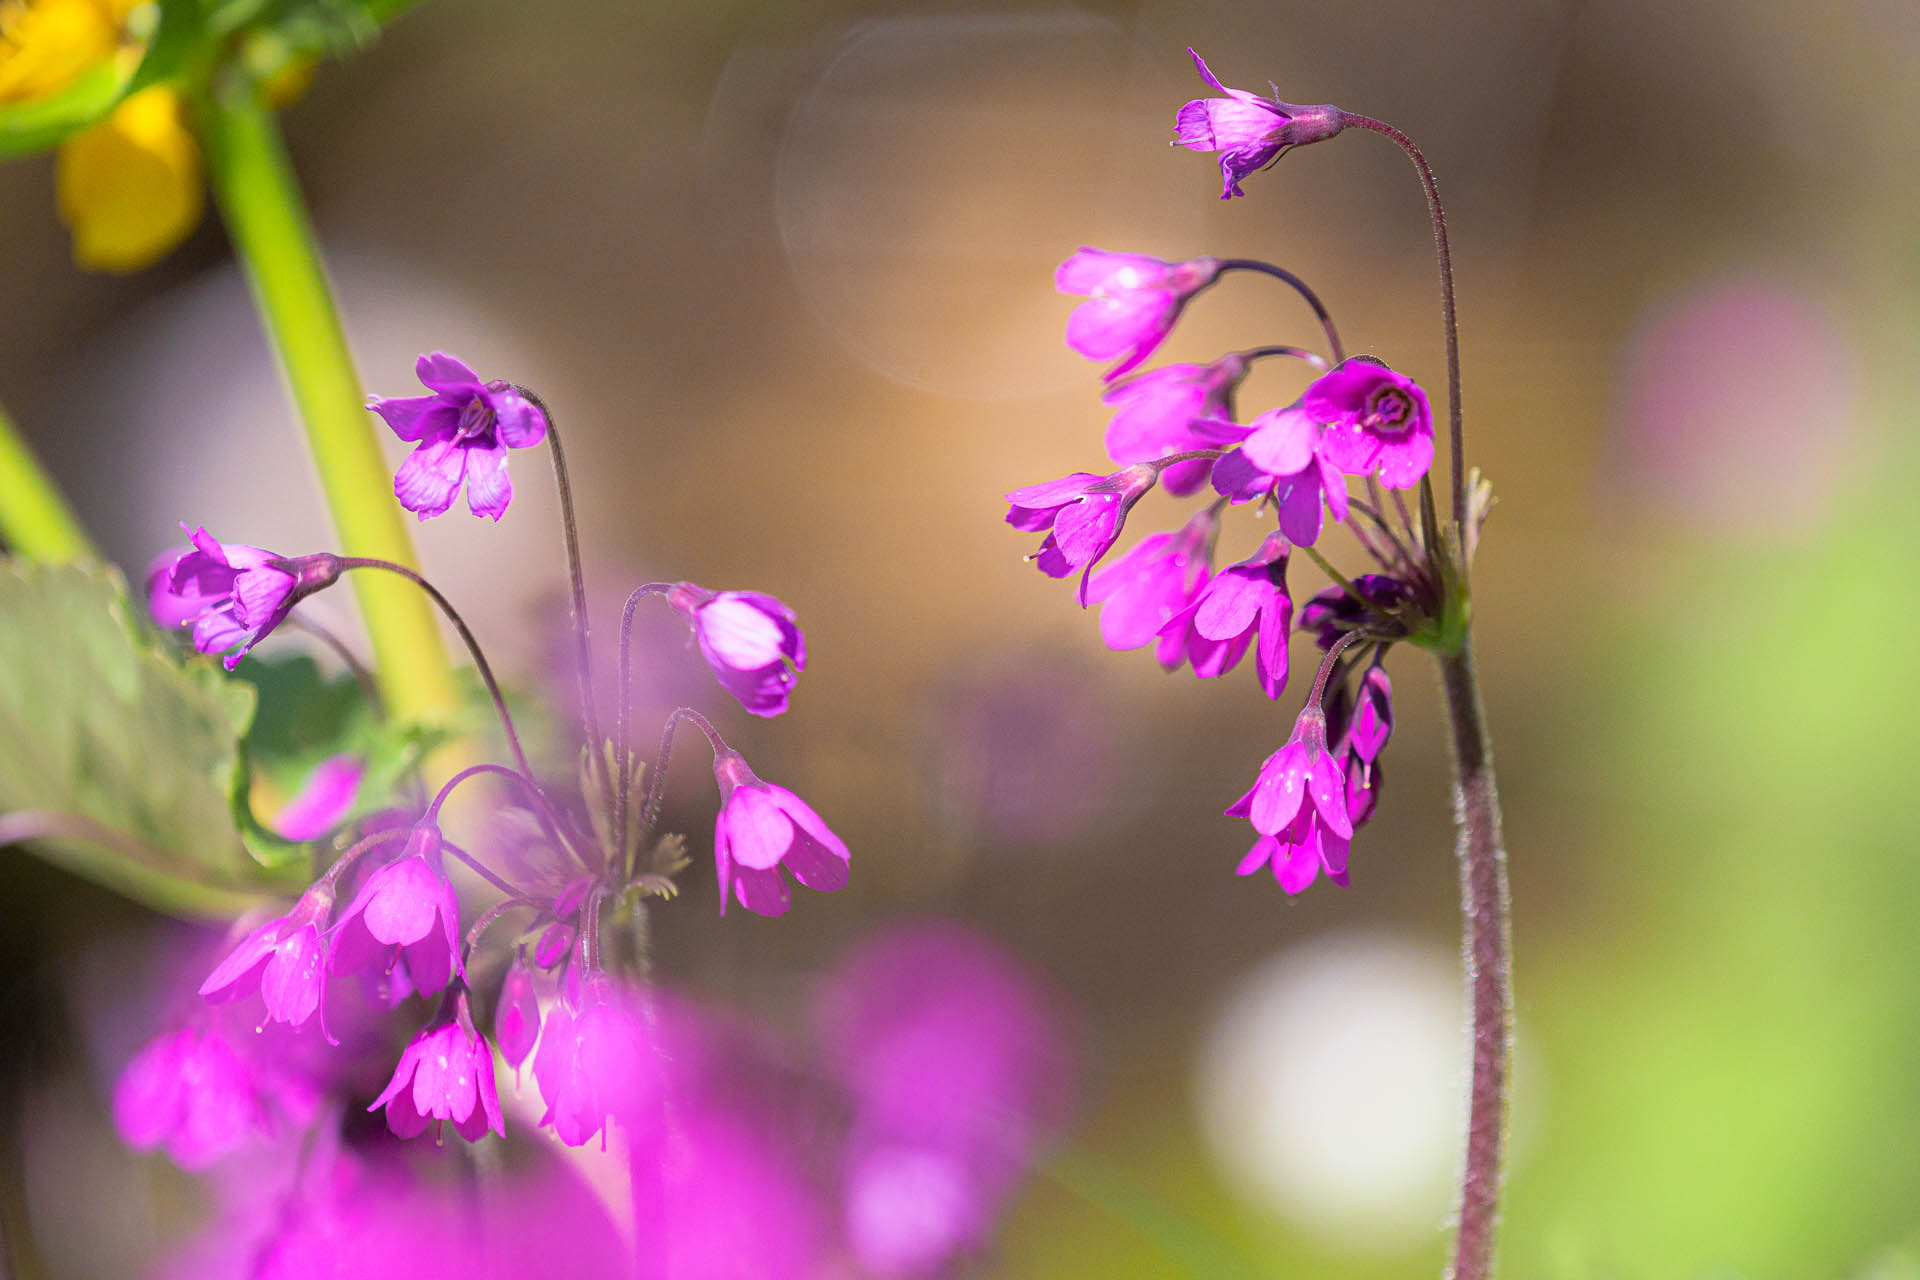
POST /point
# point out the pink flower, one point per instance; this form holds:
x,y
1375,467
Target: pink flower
x,y
200,1096
323,800
1219,625
1162,412
1133,302
446,1073
1299,806
1378,422
1249,132
761,828
1082,515
231,595
516,1015
1141,590
285,959
749,639
594,1062
464,430
407,906
1281,458
1364,738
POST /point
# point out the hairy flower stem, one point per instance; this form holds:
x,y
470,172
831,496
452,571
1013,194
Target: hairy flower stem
x,y
254,184
466,635
622,731
35,520
543,810
1486,909
1300,287
1448,319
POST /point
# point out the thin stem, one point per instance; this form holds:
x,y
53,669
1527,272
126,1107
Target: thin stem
x,y
656,785
490,915
35,519
1448,318
466,636
344,863
590,931
622,713
1313,358
260,200
484,872
1486,910
1327,664
1327,568
1299,286
1382,524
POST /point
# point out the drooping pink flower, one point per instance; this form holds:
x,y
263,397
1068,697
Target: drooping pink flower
x,y
463,431
323,800
1132,302
749,639
594,1062
1082,515
406,907
1377,422
1249,132
1298,805
516,1015
1280,457
196,1093
761,828
1237,603
1141,590
1362,739
285,959
231,595
1163,411
445,1073
1335,611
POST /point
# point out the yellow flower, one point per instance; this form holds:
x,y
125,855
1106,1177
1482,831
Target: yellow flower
x,y
45,45
131,186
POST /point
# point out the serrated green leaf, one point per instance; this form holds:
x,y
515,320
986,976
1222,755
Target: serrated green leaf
x,y
101,723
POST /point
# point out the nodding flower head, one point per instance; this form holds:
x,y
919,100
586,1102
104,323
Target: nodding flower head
x,y
1082,515
1141,590
1298,805
750,640
594,1062
1217,627
285,960
445,1073
1166,411
231,595
1132,302
1249,132
405,909
1335,610
761,828
1378,422
1280,458
463,431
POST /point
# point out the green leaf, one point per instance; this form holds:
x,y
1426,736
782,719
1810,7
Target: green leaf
x,y
42,123
113,745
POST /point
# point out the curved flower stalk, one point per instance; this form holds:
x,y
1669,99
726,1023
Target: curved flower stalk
x,y
1358,420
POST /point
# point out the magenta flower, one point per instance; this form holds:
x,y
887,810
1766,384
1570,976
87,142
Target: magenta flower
x,y
1141,590
232,595
1281,456
322,801
516,1015
463,430
1082,514
594,1062
761,828
1132,302
1378,422
446,1073
1249,132
285,959
912,1209
1217,628
1334,611
201,1097
1162,412
1363,739
406,907
749,640
1298,804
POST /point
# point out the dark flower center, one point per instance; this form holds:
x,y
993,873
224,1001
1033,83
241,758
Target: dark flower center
x,y
1389,411
475,420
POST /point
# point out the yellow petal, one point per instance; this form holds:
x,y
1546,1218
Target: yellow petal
x,y
46,44
130,187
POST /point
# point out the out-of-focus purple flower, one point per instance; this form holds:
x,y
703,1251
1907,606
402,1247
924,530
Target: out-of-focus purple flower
x,y
1280,457
1217,628
1334,611
1142,589
445,1073
1082,515
407,906
910,1209
750,641
285,959
761,828
1163,412
463,431
516,1015
1378,422
323,800
1132,302
1249,132
1298,804
195,1093
232,595
594,1061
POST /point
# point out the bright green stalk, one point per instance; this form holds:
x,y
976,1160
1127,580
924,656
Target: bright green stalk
x,y
34,517
266,218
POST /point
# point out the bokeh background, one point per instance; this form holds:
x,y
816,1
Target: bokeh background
x,y
784,272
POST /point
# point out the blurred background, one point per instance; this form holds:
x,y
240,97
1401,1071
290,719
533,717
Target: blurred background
x,y
784,272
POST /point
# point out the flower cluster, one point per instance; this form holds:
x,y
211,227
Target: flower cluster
x,y
1356,421
384,920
